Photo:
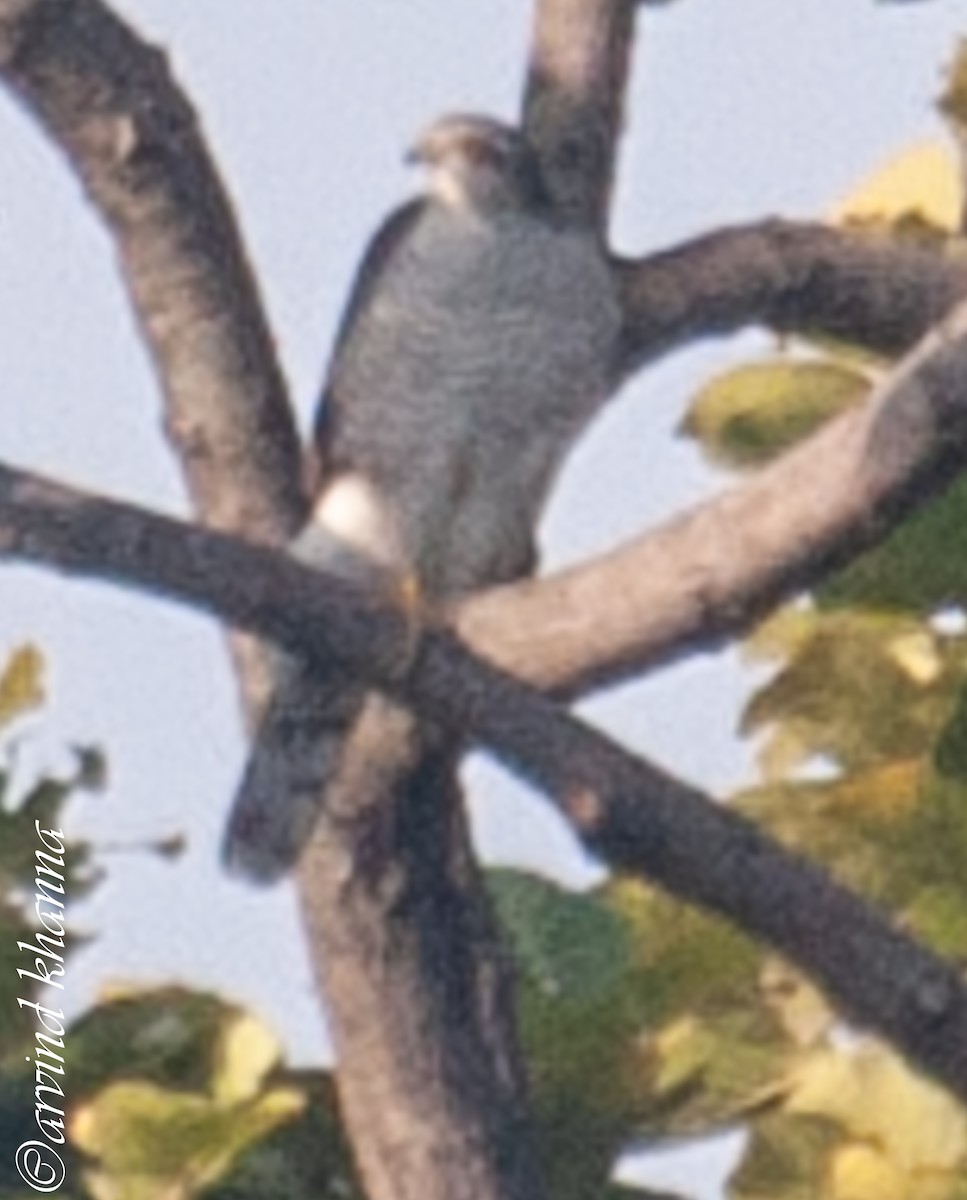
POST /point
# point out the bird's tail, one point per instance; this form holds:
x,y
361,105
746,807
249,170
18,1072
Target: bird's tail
x,y
294,757
302,740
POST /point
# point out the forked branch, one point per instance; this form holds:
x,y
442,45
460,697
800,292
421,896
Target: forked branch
x,y
110,104
710,573
630,813
871,289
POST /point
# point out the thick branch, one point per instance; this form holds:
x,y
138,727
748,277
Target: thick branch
x,y
107,100
871,289
634,815
416,977
110,104
574,99
711,572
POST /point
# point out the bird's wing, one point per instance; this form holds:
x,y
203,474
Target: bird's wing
x,y
380,253
299,746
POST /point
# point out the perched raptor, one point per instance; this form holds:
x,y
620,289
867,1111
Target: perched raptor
x,y
479,342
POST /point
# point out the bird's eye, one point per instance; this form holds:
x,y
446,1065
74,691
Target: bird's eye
x,y
491,152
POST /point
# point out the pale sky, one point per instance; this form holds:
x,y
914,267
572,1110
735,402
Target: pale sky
x,y
739,109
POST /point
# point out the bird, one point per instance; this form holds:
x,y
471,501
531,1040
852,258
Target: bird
x,y
480,339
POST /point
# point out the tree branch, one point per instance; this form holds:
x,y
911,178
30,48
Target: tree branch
x,y
110,104
635,816
574,98
416,975
870,289
108,101
711,572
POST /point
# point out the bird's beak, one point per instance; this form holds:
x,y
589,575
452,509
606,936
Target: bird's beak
x,y
416,155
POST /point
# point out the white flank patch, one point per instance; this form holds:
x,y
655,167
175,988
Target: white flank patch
x,y
352,510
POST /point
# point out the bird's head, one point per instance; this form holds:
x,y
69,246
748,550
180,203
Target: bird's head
x,y
479,164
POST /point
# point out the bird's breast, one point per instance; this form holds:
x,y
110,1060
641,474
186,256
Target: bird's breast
x,y
513,316
483,356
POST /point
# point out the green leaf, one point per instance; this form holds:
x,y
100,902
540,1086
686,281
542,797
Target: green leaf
x,y
692,960
582,1006
304,1159
938,914
44,805
857,824
571,947
919,567
168,1036
753,413
17,1125
710,1046
19,846
950,753
934,845
706,1072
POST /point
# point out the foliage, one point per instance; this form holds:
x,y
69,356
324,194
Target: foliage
x,y
21,690
43,801
171,1093
646,1020
200,1091
742,418
862,729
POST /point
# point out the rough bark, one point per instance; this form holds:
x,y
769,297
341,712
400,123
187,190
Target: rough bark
x,y
632,814
871,289
574,98
415,931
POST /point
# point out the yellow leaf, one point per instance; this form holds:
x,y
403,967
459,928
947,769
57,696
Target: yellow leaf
x,y
873,1094
683,1049
923,181
861,1173
247,1053
800,1008
916,654
825,1084
153,1142
21,684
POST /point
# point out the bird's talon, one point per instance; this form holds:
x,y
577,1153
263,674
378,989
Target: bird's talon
x,y
410,597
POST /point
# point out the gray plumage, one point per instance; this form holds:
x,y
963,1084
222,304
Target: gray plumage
x,y
478,344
